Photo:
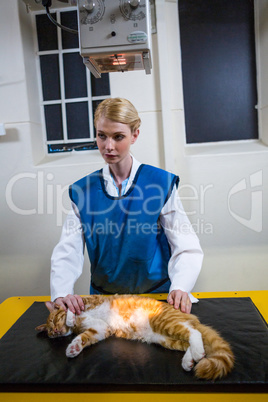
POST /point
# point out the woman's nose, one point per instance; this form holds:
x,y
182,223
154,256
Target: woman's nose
x,y
109,144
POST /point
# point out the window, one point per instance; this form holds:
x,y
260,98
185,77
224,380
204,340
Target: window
x,y
219,70
70,93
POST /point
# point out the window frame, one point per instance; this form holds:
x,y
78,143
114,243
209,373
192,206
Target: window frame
x,y
193,114
62,101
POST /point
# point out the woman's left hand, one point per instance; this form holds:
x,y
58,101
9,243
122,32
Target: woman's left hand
x,y
180,299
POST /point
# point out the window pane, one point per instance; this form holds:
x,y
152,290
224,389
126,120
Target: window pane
x,y
74,146
77,120
53,122
219,69
46,33
64,79
49,65
69,40
100,86
75,76
94,107
55,148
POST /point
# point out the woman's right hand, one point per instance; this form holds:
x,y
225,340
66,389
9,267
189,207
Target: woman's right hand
x,y
72,302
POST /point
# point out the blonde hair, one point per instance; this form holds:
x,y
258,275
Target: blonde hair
x,y
120,110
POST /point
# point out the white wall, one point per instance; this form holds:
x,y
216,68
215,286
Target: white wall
x,y
234,235
235,255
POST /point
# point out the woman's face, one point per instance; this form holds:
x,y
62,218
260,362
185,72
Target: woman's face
x,y
114,140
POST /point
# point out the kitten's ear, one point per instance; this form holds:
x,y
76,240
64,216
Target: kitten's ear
x,y
41,328
50,305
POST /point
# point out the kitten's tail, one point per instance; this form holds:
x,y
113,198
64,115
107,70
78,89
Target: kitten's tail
x,y
219,359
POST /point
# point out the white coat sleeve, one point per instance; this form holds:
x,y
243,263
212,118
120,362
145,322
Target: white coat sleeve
x,y
68,257
186,254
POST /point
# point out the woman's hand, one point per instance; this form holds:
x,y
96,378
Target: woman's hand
x,y
181,300
72,302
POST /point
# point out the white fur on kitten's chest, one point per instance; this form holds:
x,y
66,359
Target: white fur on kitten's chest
x,y
103,317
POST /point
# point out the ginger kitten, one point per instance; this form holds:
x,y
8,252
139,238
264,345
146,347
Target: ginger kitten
x,y
147,320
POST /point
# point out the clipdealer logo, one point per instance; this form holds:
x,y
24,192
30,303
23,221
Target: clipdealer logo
x,y
254,222
50,199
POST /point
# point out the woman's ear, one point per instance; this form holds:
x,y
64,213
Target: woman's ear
x,y
135,135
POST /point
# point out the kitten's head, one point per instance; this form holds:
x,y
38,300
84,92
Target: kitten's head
x,y
56,322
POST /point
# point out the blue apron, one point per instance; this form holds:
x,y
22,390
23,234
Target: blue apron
x,y
127,247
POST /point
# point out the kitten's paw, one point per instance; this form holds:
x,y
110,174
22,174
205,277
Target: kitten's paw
x,y
196,345
198,353
187,365
187,361
74,348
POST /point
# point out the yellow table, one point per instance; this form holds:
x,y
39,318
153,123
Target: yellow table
x,y
12,308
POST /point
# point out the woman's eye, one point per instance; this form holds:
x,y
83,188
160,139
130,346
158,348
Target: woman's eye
x,y
101,136
119,137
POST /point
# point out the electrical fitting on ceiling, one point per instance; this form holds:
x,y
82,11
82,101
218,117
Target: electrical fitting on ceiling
x,y
114,35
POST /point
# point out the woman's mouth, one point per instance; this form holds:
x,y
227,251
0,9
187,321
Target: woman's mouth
x,y
110,156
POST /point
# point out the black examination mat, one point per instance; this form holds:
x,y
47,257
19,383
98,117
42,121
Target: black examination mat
x,y
33,362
